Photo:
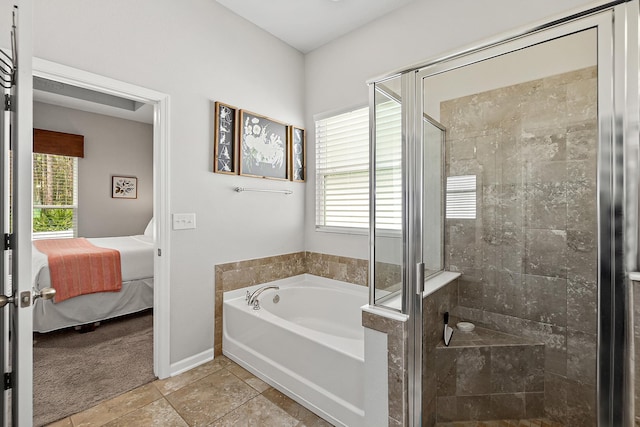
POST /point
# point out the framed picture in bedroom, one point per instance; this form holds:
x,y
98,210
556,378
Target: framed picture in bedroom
x,y
297,154
264,146
225,139
124,187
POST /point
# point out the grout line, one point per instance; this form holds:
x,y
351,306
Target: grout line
x,y
176,410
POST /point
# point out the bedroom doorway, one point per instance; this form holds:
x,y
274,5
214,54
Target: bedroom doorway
x,y
60,75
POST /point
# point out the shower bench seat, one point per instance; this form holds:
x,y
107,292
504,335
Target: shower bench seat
x,y
489,375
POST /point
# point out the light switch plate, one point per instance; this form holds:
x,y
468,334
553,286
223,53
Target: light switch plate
x,y
184,221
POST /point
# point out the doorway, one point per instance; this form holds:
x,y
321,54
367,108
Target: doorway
x,y
160,103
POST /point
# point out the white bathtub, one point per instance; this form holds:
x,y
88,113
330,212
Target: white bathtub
x,y
309,345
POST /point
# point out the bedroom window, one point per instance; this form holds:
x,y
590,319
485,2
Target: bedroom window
x,y
55,184
55,196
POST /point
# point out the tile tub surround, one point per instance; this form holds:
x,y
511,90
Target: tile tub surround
x,y
529,259
397,353
240,274
434,306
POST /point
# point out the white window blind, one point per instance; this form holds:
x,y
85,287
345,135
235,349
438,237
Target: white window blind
x,y
461,197
342,169
55,196
388,167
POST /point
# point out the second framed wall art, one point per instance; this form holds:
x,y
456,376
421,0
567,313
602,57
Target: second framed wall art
x,y
263,146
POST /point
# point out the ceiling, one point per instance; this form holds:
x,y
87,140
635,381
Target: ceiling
x,y
309,24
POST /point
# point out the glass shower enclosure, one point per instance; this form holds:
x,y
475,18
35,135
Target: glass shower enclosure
x,y
511,164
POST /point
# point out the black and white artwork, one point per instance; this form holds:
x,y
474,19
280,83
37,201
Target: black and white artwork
x,y
225,139
263,147
297,156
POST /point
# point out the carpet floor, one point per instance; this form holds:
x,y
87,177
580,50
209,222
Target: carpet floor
x,y
74,371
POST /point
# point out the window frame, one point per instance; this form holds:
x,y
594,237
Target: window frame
x,y
59,234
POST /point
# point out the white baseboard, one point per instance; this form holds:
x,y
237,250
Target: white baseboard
x,y
191,362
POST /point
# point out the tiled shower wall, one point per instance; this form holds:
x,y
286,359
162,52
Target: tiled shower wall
x,y
529,258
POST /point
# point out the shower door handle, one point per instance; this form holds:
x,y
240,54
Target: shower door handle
x,y
419,278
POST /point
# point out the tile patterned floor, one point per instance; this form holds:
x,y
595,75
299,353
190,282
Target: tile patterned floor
x,y
216,394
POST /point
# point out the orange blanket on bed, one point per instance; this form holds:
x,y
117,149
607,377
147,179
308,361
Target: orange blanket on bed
x,y
78,267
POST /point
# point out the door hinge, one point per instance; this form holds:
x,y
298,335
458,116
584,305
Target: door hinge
x,y
159,252
8,241
8,102
8,380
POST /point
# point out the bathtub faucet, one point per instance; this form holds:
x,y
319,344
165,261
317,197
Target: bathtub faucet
x,y
253,298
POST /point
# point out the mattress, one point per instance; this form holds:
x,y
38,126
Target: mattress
x,y
136,257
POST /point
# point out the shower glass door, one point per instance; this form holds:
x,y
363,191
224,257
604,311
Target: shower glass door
x,y
531,192
533,199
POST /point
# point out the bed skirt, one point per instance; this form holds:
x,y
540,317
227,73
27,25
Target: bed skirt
x,y
136,295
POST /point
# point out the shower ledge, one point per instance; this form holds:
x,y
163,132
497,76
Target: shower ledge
x,y
437,281
635,276
431,285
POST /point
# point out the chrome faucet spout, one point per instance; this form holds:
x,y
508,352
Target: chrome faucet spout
x,y
254,296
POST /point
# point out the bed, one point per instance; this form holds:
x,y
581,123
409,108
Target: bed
x,y
136,255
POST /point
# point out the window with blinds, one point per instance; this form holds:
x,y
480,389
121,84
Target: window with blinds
x,y
55,196
342,169
461,197
55,183
388,166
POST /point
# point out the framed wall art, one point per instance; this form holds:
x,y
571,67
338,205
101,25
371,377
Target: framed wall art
x,y
124,187
297,154
263,147
225,139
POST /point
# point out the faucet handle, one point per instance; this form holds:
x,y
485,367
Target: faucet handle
x,y
247,297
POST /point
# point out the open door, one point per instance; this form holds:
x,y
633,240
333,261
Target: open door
x,y
6,81
16,355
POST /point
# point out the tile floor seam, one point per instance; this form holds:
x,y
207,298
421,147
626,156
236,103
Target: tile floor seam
x,y
224,368
234,409
176,410
244,381
242,404
230,411
133,410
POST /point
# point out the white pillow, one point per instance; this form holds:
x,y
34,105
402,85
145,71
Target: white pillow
x,y
149,230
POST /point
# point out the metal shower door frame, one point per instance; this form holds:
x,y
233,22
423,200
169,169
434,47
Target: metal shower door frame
x,y
617,181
